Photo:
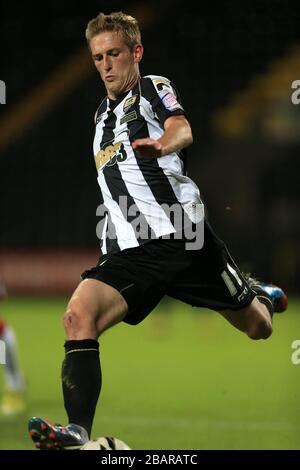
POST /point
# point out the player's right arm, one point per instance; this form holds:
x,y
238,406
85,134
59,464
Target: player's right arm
x,y
177,135
164,106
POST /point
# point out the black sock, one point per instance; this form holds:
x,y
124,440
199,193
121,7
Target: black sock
x,y
81,381
264,298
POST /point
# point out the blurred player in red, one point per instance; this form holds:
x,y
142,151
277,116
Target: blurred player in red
x,y
13,401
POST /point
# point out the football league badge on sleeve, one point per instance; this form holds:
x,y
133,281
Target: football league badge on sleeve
x,y
169,100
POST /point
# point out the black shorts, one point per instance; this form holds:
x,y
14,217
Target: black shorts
x,y
144,275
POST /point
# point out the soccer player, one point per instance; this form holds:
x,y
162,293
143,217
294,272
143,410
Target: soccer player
x,y
152,212
13,401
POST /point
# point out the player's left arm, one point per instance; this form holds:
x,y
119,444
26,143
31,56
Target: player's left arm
x,y
177,135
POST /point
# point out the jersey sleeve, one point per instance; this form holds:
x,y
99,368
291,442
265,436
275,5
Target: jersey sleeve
x,y
162,97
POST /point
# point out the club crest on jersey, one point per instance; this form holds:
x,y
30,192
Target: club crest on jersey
x,y
169,100
129,102
110,155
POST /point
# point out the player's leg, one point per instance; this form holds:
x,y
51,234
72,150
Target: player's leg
x,y
94,307
123,286
255,320
13,399
213,280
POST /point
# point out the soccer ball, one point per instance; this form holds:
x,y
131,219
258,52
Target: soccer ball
x,y
105,443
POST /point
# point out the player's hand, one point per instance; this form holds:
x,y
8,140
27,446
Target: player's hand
x,y
149,148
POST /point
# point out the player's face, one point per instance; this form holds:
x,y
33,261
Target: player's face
x,y
117,65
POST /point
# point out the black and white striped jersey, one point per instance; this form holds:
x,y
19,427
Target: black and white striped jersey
x,y
139,194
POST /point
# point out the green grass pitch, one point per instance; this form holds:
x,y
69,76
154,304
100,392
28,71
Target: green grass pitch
x,y
183,379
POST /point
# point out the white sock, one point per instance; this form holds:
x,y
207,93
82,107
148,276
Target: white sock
x,y
14,379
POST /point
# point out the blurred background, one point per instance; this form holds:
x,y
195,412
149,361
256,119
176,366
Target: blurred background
x,y
234,64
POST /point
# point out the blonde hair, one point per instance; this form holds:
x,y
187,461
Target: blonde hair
x,y
116,21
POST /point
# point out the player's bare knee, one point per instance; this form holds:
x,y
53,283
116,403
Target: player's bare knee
x,y
70,321
260,329
77,319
